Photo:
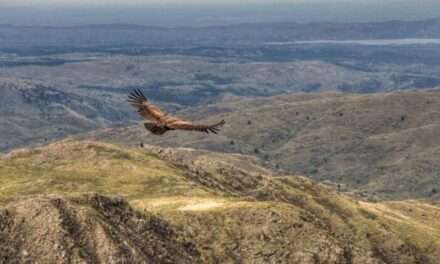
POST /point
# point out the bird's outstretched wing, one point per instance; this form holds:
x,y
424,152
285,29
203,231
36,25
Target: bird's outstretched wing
x,y
145,109
163,120
186,125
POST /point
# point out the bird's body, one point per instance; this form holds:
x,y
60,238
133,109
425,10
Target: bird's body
x,y
156,128
159,122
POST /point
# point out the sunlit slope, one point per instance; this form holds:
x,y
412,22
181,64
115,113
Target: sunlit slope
x,y
386,145
69,167
391,232
231,209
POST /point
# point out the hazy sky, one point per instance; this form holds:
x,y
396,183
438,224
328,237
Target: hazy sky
x,y
210,12
77,3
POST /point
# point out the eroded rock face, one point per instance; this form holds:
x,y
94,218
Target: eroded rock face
x,y
88,229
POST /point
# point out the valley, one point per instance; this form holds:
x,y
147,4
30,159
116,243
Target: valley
x,y
44,102
71,80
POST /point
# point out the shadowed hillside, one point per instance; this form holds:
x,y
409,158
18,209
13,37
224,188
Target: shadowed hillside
x,y
384,145
87,229
194,206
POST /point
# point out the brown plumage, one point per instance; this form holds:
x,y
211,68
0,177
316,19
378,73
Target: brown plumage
x,y
159,122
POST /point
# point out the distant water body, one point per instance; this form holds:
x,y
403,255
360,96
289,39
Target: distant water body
x,y
369,42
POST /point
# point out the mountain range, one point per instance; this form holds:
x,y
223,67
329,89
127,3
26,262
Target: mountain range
x,y
16,37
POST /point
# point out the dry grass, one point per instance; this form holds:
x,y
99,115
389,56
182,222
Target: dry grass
x,y
69,167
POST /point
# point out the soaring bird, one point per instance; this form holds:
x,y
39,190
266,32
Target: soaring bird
x,y
158,122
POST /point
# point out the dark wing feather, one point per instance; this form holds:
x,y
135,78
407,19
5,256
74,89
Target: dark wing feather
x,y
185,125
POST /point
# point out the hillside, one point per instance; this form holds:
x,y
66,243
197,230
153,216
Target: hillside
x,y
33,114
87,229
383,145
194,206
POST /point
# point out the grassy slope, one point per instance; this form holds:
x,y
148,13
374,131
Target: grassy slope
x,y
230,207
69,168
